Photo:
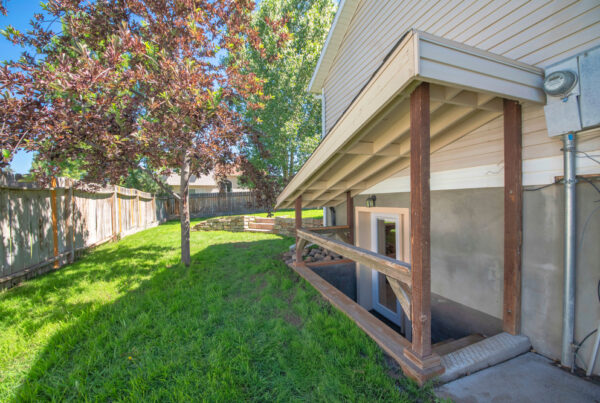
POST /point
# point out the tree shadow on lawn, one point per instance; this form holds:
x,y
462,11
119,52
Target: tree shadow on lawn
x,y
236,325
56,292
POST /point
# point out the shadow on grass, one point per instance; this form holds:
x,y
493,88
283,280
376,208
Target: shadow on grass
x,y
55,289
236,325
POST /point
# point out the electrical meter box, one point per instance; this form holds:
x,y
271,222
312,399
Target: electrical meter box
x,y
579,109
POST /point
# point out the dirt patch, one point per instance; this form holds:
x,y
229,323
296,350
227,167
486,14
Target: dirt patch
x,y
293,319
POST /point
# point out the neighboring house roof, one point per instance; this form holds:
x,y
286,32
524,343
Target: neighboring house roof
x,y
203,180
340,25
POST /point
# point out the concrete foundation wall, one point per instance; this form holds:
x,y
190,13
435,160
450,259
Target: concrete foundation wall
x,y
467,261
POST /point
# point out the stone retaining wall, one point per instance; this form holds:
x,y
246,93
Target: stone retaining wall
x,y
282,225
286,226
233,224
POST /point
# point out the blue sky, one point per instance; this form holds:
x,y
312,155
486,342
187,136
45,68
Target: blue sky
x,y
20,13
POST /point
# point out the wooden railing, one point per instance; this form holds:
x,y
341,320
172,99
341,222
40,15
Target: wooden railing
x,y
390,267
397,272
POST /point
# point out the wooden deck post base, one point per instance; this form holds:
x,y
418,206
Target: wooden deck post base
x,y
421,370
426,368
431,361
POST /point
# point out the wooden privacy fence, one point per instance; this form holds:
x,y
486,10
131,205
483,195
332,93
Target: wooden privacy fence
x,y
211,204
44,228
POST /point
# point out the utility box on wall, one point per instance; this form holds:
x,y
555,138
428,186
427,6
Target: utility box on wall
x,y
576,108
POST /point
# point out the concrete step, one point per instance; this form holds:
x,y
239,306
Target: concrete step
x,y
483,354
449,346
264,220
260,225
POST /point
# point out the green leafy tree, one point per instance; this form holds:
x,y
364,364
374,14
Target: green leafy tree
x,y
141,180
289,125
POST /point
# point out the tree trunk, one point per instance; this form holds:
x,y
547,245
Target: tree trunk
x,y
184,209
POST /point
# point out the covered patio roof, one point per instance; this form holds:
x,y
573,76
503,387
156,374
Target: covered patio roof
x,y
371,141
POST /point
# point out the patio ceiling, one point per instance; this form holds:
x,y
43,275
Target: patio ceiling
x,y
371,142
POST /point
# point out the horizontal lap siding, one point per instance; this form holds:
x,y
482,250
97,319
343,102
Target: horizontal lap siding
x,y
535,32
485,145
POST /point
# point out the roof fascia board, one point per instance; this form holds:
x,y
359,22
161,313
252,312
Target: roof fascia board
x,y
337,32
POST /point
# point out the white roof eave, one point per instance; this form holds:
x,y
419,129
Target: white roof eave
x,y
336,35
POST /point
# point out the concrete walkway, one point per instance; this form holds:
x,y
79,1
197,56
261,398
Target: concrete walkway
x,y
527,378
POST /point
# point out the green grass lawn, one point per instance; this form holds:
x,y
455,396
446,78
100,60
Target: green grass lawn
x,y
128,323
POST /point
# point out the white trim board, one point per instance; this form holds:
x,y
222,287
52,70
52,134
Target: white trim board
x,y
539,171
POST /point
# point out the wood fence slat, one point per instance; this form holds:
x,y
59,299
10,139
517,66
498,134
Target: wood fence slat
x,y
46,227
54,209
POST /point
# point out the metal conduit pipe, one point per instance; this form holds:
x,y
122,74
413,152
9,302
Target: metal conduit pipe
x,y
570,242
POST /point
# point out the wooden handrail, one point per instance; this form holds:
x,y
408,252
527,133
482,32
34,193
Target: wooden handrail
x,y
388,266
325,229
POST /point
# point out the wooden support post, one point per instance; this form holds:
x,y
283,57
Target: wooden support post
x,y
298,222
513,216
350,217
54,209
420,352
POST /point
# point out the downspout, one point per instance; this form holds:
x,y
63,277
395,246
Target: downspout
x,y
570,244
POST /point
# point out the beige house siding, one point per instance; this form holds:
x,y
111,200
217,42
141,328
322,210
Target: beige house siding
x,y
535,32
485,145
484,149
206,184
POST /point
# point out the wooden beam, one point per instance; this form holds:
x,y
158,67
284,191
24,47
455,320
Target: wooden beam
x,y
446,119
450,135
420,222
350,217
403,295
339,231
388,266
353,161
513,216
298,222
361,147
332,229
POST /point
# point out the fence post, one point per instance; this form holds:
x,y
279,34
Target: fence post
x,y
153,208
54,221
120,218
70,230
137,192
113,213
